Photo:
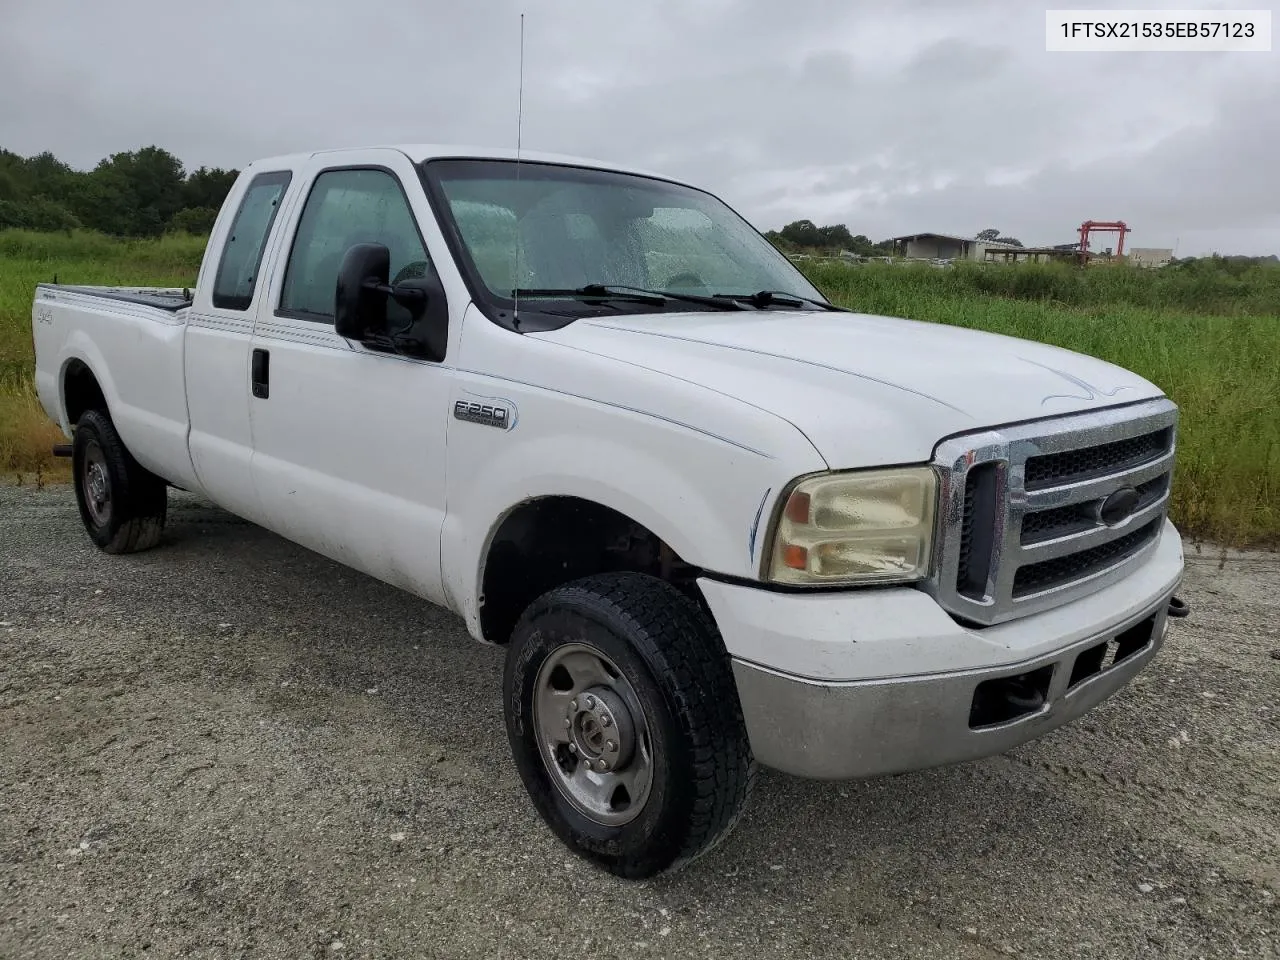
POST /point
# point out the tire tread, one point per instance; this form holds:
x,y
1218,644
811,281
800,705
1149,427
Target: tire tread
x,y
139,497
681,644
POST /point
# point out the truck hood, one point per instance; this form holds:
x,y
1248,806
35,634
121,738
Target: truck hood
x,y
864,389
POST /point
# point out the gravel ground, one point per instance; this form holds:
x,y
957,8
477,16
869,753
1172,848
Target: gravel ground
x,y
231,747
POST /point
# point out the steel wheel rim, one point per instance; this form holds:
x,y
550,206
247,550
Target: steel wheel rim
x,y
592,734
97,484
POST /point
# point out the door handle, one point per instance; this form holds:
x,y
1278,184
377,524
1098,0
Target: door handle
x,y
261,377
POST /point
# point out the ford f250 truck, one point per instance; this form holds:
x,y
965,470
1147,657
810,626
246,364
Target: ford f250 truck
x,y
715,520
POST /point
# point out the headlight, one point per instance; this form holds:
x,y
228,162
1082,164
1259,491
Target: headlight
x,y
867,527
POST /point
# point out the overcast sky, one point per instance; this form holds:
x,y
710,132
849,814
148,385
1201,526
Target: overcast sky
x,y
891,117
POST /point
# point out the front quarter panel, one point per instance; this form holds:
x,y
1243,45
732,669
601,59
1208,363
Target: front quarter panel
x,y
700,470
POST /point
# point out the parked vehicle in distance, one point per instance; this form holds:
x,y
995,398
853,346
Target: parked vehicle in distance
x,y
715,520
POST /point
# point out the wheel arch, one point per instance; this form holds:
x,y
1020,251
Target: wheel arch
x,y
80,391
81,364
543,542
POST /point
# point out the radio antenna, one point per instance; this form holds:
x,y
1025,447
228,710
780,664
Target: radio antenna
x,y
515,293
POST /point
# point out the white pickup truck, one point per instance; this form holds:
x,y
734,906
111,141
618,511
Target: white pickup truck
x,y
715,520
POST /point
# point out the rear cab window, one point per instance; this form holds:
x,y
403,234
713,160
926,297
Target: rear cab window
x,y
241,259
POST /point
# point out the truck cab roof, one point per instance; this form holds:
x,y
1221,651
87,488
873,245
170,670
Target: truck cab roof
x,y
420,152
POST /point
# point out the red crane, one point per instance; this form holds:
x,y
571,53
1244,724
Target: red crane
x,y
1101,226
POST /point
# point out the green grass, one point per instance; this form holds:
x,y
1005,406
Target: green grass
x,y
26,434
1210,337
1208,287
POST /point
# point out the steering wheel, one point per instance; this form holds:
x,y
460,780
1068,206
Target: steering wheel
x,y
411,271
685,280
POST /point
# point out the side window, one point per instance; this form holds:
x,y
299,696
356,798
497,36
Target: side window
x,y
242,254
347,207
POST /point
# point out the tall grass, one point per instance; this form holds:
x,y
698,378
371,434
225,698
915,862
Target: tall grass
x,y
179,252
82,257
1196,287
1210,337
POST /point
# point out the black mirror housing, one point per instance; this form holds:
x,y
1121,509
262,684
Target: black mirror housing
x,y
363,295
360,299
427,336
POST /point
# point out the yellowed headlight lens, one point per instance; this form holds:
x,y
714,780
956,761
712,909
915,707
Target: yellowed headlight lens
x,y
856,527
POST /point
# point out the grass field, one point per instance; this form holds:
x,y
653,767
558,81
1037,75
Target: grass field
x,y
26,259
1210,338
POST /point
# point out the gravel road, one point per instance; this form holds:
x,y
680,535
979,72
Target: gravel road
x,y
231,747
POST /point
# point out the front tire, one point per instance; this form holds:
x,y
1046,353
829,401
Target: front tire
x,y
122,504
625,724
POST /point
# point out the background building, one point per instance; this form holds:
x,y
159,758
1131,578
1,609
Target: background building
x,y
942,246
1150,256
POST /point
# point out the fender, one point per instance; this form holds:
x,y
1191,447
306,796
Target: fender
x,y
159,443
80,347
665,452
711,525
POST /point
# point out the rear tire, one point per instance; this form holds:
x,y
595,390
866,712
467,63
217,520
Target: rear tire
x,y
625,669
122,504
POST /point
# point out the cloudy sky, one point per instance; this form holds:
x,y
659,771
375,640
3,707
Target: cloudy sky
x,y
891,117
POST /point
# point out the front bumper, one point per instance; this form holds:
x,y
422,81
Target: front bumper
x,y
882,683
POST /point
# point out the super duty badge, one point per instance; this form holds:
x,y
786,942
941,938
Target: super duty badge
x,y
488,413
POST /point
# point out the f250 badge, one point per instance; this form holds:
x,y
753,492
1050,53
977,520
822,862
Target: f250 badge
x,y
486,412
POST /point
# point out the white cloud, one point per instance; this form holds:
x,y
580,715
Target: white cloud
x,y
888,117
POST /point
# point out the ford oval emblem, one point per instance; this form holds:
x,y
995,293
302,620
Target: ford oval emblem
x,y
1118,506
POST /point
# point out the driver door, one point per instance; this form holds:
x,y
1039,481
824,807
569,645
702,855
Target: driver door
x,y
349,443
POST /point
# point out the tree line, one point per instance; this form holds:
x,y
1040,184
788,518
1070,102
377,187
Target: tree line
x,y
139,193
805,235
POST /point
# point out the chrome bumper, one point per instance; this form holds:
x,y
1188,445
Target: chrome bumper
x,y
847,730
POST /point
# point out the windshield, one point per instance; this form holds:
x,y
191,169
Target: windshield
x,y
550,230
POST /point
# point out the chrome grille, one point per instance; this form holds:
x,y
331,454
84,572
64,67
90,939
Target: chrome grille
x,y
1020,526
1050,573
1060,521
1052,469
1055,522
963,571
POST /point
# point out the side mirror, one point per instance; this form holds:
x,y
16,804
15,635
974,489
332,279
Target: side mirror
x,y
427,333
360,299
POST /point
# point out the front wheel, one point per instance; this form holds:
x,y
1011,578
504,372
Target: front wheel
x,y
625,725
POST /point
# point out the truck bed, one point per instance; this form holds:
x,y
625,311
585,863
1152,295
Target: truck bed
x,y
129,340
171,299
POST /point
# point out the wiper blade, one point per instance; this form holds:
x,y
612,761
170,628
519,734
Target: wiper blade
x,y
608,291
768,298
592,291
708,301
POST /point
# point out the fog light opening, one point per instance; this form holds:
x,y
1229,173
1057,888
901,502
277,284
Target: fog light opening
x,y
1006,699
